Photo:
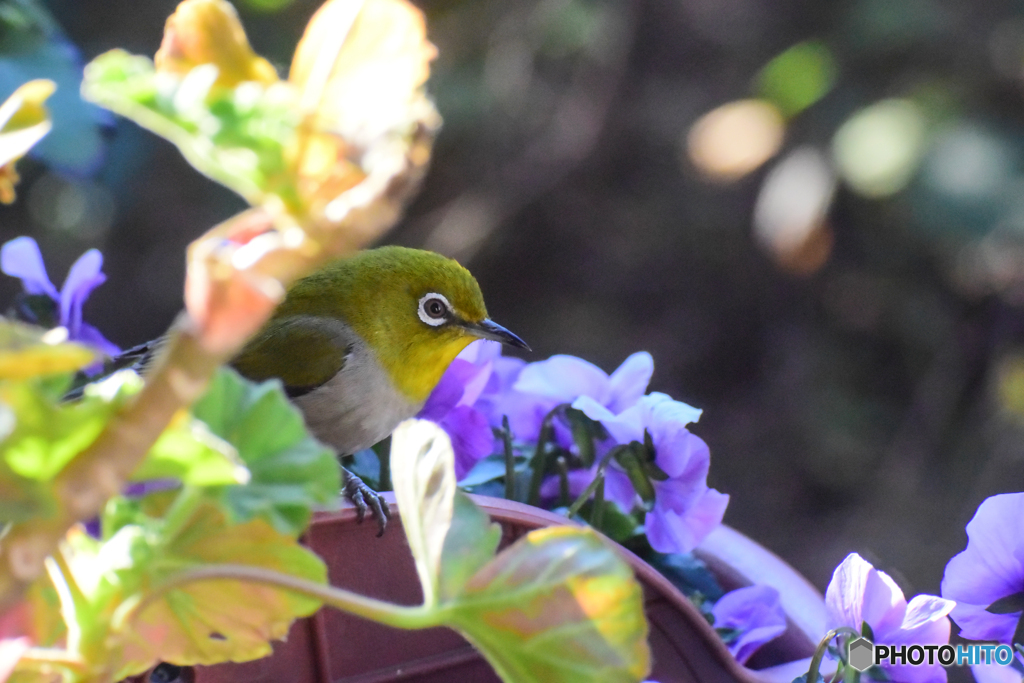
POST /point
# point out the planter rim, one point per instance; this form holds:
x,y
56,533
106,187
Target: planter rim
x,y
724,549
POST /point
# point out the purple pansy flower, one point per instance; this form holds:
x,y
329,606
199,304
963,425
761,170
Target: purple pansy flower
x,y
755,613
452,405
859,593
20,258
539,387
996,673
685,508
991,568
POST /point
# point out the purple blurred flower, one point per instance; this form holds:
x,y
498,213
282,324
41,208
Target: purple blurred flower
x,y
685,509
859,593
20,258
536,389
991,568
996,673
452,406
755,613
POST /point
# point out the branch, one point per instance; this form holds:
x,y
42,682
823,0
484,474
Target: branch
x,y
237,273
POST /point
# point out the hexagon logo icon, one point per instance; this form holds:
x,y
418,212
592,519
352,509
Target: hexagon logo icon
x,y
861,654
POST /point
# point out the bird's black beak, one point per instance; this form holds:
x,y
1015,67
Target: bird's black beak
x,y
488,329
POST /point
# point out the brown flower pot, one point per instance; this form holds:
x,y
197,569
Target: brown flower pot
x,y
335,647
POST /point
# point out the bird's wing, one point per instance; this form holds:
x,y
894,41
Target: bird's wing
x,y
302,351
136,358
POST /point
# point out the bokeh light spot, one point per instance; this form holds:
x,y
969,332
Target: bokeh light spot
x,y
734,139
799,77
878,149
969,163
82,207
789,217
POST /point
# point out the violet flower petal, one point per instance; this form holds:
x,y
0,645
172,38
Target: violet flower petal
x,y
525,414
989,569
21,258
87,334
475,383
755,612
680,453
623,428
481,351
564,378
445,395
471,435
858,592
629,381
994,673
663,408
619,490
578,480
671,531
85,275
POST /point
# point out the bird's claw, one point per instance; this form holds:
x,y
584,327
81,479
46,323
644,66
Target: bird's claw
x,y
362,496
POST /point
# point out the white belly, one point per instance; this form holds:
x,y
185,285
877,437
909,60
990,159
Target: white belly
x,y
357,407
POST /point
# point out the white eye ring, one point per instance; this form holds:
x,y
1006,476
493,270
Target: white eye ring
x,y
432,320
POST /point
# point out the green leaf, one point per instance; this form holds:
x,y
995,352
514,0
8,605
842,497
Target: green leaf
x,y
490,468
203,622
44,435
615,524
632,460
291,472
236,136
558,605
188,451
469,545
423,472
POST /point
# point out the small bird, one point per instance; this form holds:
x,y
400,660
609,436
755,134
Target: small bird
x,y
360,344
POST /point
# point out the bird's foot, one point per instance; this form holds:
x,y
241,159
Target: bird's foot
x,y
362,496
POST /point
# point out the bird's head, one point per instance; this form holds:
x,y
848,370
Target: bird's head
x,y
415,309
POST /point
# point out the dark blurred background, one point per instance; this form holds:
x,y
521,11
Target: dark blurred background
x,y
810,213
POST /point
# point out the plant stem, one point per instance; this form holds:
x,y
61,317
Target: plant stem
x,y
540,455
398,616
592,486
510,462
40,657
181,512
383,451
563,481
819,652
597,515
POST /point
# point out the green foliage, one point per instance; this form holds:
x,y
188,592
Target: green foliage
x,y
291,472
237,136
43,435
251,477
558,605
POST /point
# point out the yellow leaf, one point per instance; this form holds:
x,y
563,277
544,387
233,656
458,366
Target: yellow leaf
x,y
24,120
361,63
209,32
27,351
359,74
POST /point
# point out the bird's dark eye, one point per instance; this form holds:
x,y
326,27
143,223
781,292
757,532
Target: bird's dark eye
x,y
434,309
